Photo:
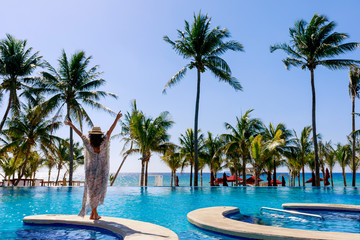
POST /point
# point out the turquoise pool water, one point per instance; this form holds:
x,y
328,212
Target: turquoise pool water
x,y
331,221
165,206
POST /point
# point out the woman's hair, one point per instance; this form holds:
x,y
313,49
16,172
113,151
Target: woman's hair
x,y
96,139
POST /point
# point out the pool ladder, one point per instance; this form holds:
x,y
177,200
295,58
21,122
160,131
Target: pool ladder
x,y
292,212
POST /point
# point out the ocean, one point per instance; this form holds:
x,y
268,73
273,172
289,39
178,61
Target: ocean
x,y
132,179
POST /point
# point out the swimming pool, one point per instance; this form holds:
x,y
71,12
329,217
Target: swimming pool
x,y
331,221
164,206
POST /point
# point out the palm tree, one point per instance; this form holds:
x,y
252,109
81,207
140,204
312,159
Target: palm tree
x,y
28,130
9,165
330,159
269,133
343,155
173,161
293,163
212,153
150,135
315,44
187,149
262,151
203,46
126,134
74,84
354,89
237,142
16,63
304,146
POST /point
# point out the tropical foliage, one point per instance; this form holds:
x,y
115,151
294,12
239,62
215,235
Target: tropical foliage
x,y
316,44
203,46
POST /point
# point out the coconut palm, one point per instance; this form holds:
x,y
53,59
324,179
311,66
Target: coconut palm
x,y
203,47
187,149
237,142
150,135
315,44
354,92
343,156
16,63
73,85
330,159
29,130
173,161
269,133
9,165
293,163
262,150
126,134
212,153
304,146
35,162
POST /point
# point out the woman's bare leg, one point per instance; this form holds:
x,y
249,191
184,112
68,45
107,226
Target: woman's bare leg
x,y
94,215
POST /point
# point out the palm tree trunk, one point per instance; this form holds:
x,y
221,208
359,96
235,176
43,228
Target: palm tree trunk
x,y
211,174
49,174
244,171
196,170
142,170
24,167
146,172
117,172
58,174
331,177
317,170
71,157
6,113
172,177
303,174
323,172
353,143
201,177
274,177
344,176
298,180
191,173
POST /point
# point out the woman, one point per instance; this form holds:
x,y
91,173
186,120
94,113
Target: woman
x,y
96,167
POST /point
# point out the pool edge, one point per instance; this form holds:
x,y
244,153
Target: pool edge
x,y
127,228
214,219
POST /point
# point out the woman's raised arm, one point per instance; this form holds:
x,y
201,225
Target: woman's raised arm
x,y
69,123
118,116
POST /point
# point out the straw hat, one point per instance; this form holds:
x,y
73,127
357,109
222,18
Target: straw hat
x,y
96,130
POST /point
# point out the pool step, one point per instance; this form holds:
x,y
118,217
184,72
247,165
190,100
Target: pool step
x,y
292,212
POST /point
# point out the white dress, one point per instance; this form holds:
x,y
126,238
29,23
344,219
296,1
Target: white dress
x,y
96,175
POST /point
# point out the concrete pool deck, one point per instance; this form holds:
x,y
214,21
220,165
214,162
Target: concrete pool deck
x,y
321,206
214,219
128,229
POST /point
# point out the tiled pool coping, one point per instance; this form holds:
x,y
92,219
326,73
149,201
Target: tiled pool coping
x,y
321,206
214,219
128,229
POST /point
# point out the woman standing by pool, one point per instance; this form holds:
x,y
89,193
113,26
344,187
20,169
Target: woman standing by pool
x,y
96,167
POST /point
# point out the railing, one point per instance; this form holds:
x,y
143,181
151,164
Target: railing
x,y
292,212
39,182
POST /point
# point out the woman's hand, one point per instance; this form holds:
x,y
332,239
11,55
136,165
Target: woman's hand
x,y
119,115
67,122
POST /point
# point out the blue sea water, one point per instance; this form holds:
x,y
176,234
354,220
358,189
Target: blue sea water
x,y
165,206
132,179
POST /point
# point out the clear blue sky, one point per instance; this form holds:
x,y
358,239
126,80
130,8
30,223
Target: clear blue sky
x,y
125,39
